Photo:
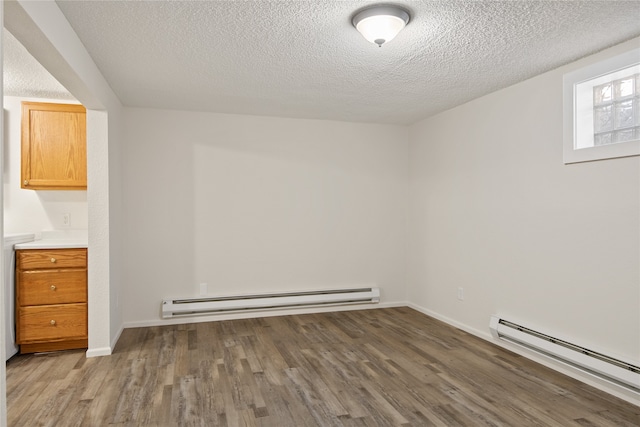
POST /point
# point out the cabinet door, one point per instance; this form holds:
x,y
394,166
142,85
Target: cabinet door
x,y
43,287
52,323
33,259
54,148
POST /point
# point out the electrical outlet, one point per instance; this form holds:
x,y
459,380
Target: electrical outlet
x,y
66,220
461,293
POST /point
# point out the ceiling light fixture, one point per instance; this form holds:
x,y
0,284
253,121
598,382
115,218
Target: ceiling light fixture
x,y
380,24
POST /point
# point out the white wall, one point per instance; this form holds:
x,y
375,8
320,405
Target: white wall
x,y
255,204
3,367
495,210
33,210
115,220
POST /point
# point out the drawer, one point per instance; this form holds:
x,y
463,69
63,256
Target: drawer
x,y
52,322
32,259
43,287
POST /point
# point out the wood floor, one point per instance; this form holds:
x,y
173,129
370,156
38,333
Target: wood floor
x,y
383,367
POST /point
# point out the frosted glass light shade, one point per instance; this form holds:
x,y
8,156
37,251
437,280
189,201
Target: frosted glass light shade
x,y
380,24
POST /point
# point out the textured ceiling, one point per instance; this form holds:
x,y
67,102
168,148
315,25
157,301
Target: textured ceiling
x,y
24,76
304,59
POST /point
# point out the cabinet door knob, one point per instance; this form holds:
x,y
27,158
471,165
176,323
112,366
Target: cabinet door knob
x,y
53,322
53,287
53,260
26,182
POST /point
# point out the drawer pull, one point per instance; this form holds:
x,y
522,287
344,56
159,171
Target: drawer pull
x,y
53,287
53,323
53,260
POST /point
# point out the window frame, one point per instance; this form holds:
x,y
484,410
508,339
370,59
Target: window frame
x,y
571,81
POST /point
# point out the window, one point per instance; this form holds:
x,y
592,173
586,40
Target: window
x,y
602,110
616,111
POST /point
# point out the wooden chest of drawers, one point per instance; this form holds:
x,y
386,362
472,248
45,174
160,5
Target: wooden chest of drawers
x,y
51,299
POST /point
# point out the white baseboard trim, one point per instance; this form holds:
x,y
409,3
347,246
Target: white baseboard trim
x,y
97,352
116,337
105,351
256,314
484,335
603,385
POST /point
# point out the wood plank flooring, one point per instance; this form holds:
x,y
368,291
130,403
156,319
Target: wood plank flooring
x,y
382,367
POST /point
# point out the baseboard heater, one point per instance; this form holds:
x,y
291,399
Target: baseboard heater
x,y
213,305
592,362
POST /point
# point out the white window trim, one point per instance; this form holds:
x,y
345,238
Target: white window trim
x,y
570,82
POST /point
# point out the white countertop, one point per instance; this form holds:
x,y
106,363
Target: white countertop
x,y
13,238
57,239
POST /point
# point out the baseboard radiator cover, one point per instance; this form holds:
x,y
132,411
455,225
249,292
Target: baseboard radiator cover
x,y
605,367
243,303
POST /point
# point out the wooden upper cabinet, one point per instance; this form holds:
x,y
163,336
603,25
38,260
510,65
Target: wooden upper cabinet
x,y
54,146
